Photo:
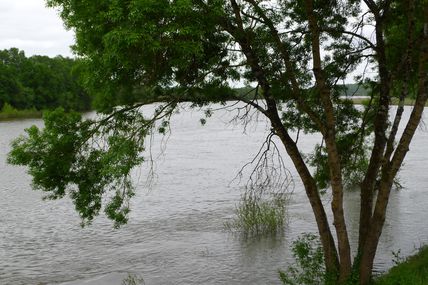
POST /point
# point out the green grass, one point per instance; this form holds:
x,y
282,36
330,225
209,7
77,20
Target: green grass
x,y
413,271
10,113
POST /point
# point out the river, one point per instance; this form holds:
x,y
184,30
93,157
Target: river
x,y
175,234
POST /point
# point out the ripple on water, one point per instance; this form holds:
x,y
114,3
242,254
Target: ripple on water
x,y
175,234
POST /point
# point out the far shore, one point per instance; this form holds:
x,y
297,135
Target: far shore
x,y
20,115
407,102
15,115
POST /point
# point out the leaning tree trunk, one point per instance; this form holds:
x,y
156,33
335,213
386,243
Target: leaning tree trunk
x,y
328,244
333,155
330,253
391,166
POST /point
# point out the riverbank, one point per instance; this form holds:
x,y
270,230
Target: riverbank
x,y
394,101
9,113
414,270
21,114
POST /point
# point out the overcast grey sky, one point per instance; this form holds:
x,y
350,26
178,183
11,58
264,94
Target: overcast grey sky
x,y
30,26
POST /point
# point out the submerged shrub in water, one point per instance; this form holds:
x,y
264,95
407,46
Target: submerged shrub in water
x,y
133,279
258,214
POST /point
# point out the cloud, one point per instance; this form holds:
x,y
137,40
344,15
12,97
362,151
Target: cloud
x,y
30,26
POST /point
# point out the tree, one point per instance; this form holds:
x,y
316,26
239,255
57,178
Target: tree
x,y
296,52
12,64
40,82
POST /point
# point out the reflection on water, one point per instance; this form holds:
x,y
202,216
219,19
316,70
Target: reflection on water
x,y
175,234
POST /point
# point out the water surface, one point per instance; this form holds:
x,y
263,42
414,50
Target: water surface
x,y
175,234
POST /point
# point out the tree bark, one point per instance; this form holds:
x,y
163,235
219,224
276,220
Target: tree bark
x,y
380,127
390,169
327,241
332,151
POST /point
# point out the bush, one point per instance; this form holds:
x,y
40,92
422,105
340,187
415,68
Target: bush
x,y
133,279
259,215
309,268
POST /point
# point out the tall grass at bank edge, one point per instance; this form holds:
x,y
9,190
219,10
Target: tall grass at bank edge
x,y
10,113
413,271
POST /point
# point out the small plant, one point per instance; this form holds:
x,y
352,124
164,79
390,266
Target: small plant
x,y
309,268
258,215
397,257
133,279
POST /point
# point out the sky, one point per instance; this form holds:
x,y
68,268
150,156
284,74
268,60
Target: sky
x,y
30,26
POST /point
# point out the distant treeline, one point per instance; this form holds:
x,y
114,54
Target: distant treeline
x,y
40,82
348,90
355,90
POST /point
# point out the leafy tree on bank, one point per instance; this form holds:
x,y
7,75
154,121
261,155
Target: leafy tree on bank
x,y
141,51
40,82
